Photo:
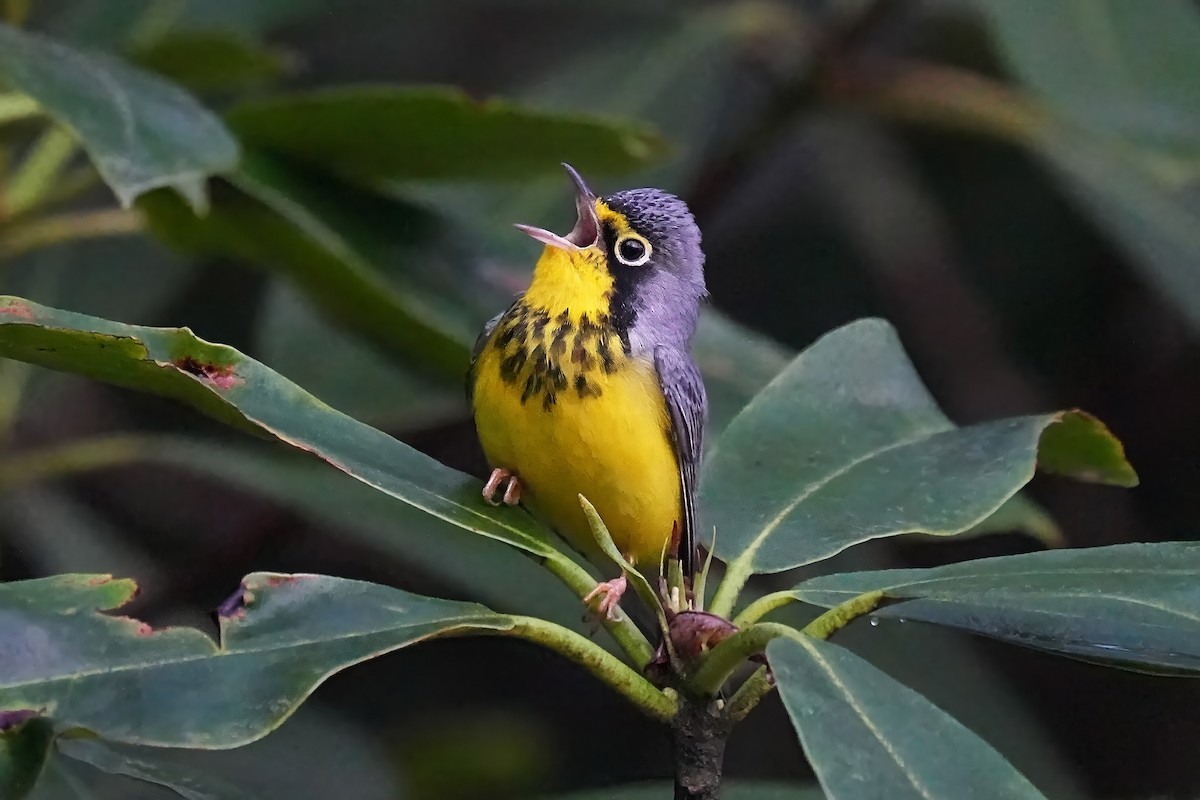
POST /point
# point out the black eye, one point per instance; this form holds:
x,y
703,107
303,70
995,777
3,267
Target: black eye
x,y
633,251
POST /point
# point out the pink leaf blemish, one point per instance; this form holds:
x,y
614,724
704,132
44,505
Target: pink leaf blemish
x,y
144,630
223,377
18,310
279,580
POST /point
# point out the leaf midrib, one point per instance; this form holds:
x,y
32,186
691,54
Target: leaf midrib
x,y
220,651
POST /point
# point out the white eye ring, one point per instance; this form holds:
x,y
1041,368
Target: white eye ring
x,y
635,261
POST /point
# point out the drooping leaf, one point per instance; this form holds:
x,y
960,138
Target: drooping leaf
x,y
871,738
313,236
142,132
145,765
281,636
1135,605
846,445
212,60
471,565
239,391
25,742
1123,130
381,134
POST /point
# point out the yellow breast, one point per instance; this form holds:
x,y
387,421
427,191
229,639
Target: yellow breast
x,y
558,402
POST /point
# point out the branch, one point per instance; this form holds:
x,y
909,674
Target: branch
x,y
654,702
35,233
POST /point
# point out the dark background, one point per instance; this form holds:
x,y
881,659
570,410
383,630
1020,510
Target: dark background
x,y
1020,281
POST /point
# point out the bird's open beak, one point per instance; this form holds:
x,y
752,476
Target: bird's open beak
x,y
586,232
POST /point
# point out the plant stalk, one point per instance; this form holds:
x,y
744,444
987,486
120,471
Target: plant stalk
x,y
83,455
700,731
654,702
737,572
730,654
16,106
624,631
40,232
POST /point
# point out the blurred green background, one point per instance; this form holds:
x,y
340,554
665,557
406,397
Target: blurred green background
x,y
1015,184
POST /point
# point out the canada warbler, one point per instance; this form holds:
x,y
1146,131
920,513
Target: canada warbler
x,y
585,384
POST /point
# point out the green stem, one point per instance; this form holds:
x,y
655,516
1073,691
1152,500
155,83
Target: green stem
x,y
16,12
839,617
57,461
761,607
656,703
737,572
730,654
35,178
749,694
15,106
41,232
626,634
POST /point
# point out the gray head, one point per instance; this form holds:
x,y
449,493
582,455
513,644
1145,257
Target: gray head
x,y
651,248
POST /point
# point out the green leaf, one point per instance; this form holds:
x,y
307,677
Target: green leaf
x,y
239,391
141,132
25,741
470,565
846,445
868,736
319,237
380,134
212,60
146,765
1019,513
1124,127
280,637
1129,605
1118,68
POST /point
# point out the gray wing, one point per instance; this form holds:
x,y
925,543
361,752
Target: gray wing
x,y
687,405
480,343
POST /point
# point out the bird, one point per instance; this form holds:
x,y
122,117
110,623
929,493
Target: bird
x,y
586,385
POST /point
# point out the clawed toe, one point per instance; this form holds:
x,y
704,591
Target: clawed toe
x,y
610,593
511,484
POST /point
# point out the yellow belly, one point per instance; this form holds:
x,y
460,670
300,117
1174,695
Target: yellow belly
x,y
613,448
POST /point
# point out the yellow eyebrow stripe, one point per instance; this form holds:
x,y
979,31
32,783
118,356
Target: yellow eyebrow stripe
x,y
618,221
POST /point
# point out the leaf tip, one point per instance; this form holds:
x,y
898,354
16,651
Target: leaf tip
x,y
1079,445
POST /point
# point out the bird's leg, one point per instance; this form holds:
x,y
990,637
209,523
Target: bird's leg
x,y
610,593
512,487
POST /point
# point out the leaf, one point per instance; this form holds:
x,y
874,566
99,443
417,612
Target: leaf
x,y
380,133
1109,66
1134,605
25,742
846,445
212,60
235,389
146,765
868,736
1124,128
1019,513
280,637
313,235
141,132
468,564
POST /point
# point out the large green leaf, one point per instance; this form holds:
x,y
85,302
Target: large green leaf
x,y
1122,69
212,60
1134,605
379,134
240,391
280,637
469,565
144,764
846,445
1124,127
25,742
871,738
142,132
320,237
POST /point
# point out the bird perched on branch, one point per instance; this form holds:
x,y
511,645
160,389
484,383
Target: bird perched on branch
x,y
585,384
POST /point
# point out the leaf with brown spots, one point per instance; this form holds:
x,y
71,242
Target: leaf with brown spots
x,y
177,687
236,389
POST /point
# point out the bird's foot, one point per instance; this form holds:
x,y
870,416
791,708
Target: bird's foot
x,y
610,593
511,484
